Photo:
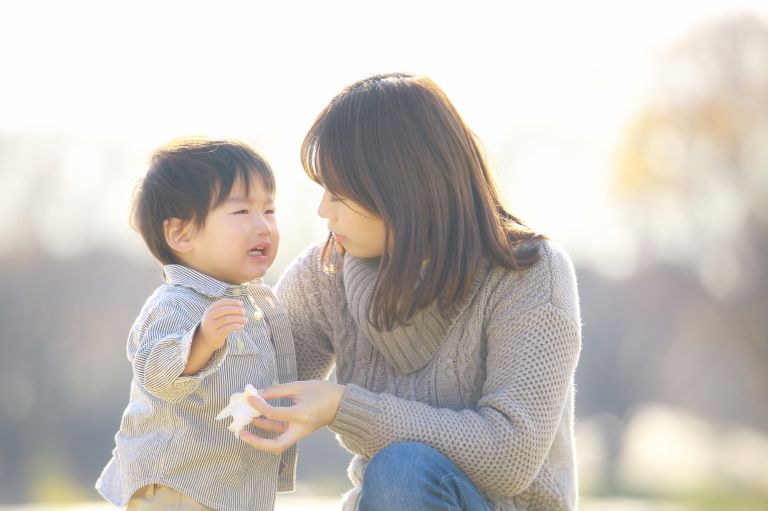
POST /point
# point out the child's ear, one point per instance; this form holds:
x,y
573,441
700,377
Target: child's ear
x,y
178,234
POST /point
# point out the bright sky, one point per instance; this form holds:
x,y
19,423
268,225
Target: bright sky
x,y
559,77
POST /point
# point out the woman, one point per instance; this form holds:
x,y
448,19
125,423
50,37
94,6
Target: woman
x,y
454,328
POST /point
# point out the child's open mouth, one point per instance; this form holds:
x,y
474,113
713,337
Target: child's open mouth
x,y
260,250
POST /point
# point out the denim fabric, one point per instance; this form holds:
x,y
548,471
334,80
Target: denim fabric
x,y
414,476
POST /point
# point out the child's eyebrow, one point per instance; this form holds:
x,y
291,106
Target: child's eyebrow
x,y
241,199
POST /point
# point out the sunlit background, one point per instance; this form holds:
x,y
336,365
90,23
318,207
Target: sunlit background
x,y
636,134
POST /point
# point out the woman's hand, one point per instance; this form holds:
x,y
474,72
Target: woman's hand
x,y
314,405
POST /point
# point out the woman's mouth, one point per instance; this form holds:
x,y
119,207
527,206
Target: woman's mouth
x,y
339,239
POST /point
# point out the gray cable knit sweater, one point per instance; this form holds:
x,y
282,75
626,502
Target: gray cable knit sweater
x,y
490,387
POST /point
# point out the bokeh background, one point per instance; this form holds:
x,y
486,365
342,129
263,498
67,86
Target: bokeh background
x,y
635,133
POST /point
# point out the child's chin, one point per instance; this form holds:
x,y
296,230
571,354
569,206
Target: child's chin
x,y
255,276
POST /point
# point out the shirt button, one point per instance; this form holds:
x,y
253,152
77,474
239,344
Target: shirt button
x,y
258,314
240,345
237,291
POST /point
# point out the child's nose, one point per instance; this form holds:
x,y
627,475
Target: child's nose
x,y
262,225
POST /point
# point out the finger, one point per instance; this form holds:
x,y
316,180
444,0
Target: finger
x,y
216,307
283,390
221,332
275,413
230,329
270,425
235,316
275,445
226,310
226,320
227,301
257,442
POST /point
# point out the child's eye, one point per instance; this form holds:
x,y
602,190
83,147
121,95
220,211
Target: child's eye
x,y
241,212
269,212
333,198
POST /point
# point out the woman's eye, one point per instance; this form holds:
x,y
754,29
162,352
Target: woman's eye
x,y
269,212
333,198
241,212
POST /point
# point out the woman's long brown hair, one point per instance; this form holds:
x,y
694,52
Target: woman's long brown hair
x,y
396,145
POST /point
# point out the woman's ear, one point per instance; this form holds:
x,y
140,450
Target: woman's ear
x,y
178,234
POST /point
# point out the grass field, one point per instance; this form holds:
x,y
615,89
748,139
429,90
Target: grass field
x,y
304,503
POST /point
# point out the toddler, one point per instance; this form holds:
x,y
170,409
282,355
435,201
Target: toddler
x,y
206,211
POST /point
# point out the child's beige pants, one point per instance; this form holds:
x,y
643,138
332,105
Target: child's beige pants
x,y
158,497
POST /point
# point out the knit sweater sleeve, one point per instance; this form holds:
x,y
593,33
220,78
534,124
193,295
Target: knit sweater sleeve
x,y
297,291
502,443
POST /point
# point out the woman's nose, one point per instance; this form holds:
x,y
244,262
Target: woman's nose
x,y
324,209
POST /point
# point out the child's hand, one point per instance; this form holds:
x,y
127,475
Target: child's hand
x,y
220,319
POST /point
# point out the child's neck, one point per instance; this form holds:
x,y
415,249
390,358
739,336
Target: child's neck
x,y
192,265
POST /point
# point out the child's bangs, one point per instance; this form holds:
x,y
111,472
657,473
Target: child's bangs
x,y
256,170
225,182
246,172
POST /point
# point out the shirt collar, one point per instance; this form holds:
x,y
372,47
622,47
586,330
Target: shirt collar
x,y
178,275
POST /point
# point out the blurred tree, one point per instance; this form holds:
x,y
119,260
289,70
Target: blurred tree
x,y
689,327
693,168
693,175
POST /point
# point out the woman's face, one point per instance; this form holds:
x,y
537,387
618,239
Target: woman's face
x,y
360,232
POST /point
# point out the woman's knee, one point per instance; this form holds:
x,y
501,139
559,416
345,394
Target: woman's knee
x,y
402,464
410,475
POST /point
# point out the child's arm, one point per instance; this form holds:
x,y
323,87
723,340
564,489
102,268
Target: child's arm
x,y
220,319
169,355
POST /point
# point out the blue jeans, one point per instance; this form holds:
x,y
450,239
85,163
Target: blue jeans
x,y
413,476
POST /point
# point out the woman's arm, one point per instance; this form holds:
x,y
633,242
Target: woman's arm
x,y
297,291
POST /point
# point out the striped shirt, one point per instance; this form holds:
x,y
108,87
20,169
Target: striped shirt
x,y
168,434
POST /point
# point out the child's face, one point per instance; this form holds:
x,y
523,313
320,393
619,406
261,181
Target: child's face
x,y
239,239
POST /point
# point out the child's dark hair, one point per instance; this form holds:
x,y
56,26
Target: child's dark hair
x,y
188,177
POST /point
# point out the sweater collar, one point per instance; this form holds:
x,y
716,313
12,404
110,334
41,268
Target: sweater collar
x,y
410,347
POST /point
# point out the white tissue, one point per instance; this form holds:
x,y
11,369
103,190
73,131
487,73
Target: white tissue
x,y
242,413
